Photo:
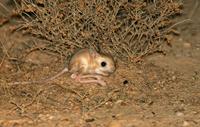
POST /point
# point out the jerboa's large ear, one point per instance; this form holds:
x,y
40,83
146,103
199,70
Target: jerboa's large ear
x,y
94,53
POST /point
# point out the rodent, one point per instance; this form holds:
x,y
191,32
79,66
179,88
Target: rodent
x,y
86,63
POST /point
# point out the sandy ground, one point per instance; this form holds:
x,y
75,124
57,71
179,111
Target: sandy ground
x,y
162,91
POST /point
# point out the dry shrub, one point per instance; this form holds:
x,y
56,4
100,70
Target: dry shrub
x,y
124,28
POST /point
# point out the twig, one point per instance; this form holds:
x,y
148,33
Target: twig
x,y
106,100
33,100
4,7
2,61
4,49
194,9
186,20
23,106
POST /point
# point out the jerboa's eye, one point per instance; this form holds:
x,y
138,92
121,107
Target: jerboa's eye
x,y
103,64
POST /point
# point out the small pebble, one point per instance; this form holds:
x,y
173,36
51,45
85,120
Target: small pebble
x,y
173,78
179,114
187,45
185,124
115,124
